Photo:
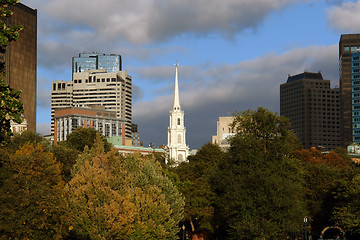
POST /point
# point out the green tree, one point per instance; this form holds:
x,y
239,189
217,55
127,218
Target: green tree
x,y
10,106
82,137
67,157
31,203
28,136
195,184
259,184
347,214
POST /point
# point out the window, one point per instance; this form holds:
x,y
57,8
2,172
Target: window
x,y
178,121
179,138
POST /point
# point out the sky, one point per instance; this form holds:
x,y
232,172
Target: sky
x,y
233,54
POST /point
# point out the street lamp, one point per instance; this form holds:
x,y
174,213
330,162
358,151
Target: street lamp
x,y
305,222
183,228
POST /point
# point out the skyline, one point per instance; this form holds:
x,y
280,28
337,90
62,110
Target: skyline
x,y
233,54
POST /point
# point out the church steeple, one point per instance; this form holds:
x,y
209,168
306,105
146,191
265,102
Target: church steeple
x,y
177,148
176,105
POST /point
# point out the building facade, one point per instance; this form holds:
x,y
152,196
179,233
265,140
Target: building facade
x,y
113,90
313,109
91,61
177,148
349,70
69,119
223,132
20,59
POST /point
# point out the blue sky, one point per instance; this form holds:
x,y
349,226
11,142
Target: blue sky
x,y
233,54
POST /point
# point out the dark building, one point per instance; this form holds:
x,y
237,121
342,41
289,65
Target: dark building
x,y
313,109
349,68
20,59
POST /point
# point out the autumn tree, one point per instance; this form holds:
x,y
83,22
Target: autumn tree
x,y
325,175
115,197
31,203
10,106
259,184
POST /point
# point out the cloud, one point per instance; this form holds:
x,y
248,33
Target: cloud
x,y
229,88
345,16
43,128
148,21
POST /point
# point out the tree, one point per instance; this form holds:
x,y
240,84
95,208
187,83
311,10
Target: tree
x,y
82,137
67,157
258,183
347,215
324,177
28,136
10,106
31,200
195,184
115,197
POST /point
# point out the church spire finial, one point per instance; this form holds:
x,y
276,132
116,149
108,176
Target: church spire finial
x,y
176,105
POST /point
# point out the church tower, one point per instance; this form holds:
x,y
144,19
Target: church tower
x,y
177,148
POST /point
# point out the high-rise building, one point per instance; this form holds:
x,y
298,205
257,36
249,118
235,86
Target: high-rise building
x,y
113,90
313,109
178,150
91,61
20,59
349,69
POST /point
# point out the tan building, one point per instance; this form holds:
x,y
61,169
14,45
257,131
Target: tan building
x,y
69,119
20,59
223,131
113,90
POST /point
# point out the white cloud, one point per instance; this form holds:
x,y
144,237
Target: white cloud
x,y
345,16
232,87
146,21
43,128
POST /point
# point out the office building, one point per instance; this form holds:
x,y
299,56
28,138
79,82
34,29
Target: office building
x,y
349,70
69,119
91,61
177,148
113,90
223,132
20,59
313,109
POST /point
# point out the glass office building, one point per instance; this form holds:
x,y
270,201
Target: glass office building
x,y
355,64
87,61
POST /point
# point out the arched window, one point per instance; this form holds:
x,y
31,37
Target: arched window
x,y
179,138
180,157
178,121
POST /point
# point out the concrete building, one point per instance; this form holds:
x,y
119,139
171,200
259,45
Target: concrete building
x,y
349,64
20,59
18,127
313,109
177,148
69,119
113,90
223,132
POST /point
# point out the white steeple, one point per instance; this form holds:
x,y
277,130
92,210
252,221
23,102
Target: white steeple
x,y
178,151
176,105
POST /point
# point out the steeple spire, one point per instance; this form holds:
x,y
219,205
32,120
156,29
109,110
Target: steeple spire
x,y
176,105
